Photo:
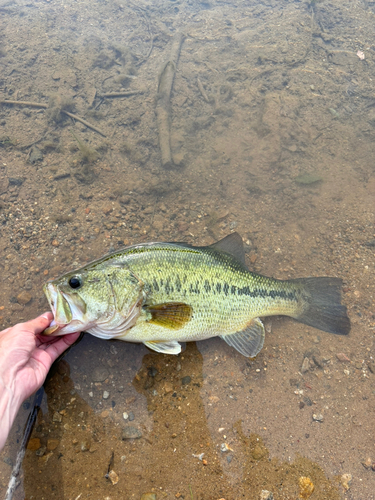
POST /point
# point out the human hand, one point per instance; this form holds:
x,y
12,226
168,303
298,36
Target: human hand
x,y
25,359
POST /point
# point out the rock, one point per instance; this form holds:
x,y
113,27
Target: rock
x,y
168,387
266,495
41,451
56,417
107,209
99,374
131,416
306,487
367,464
86,445
186,380
105,395
346,481
35,155
33,444
317,417
24,298
104,414
131,432
305,365
148,496
52,444
342,357
225,448
113,476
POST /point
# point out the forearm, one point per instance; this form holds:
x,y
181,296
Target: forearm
x,y
9,406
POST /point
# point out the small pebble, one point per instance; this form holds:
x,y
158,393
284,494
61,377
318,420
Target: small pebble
x,y
305,365
99,374
56,417
346,481
186,380
266,495
131,432
33,444
24,298
85,445
41,451
113,476
342,357
148,496
168,387
131,416
317,417
125,415
52,444
105,395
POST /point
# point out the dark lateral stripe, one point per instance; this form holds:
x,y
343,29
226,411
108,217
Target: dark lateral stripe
x,y
264,293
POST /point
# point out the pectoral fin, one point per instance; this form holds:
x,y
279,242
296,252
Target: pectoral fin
x,y
172,347
248,341
172,315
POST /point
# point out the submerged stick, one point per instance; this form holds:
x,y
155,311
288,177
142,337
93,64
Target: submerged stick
x,y
120,94
201,90
26,103
45,106
75,117
163,100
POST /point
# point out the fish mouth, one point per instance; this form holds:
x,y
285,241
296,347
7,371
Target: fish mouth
x,y
63,322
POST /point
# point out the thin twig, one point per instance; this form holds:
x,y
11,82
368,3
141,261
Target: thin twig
x,y
121,94
45,106
75,117
26,103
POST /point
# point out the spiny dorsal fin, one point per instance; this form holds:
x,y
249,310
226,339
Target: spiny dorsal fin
x,y
171,347
232,244
172,315
249,341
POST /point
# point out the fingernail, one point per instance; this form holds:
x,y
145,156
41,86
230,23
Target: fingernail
x,y
45,317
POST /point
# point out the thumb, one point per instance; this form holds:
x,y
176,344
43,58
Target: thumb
x,y
38,324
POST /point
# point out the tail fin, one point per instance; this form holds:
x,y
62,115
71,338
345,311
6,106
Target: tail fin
x,y
323,305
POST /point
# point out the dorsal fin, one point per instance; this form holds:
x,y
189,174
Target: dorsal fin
x,y
233,245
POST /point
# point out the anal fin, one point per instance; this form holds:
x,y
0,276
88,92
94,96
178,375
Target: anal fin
x,y
248,341
171,347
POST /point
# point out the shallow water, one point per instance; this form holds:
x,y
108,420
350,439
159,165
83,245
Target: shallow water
x,y
272,135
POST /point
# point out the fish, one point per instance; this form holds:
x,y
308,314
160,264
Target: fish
x,y
161,294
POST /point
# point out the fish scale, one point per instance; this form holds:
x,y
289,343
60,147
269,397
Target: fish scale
x,y
165,293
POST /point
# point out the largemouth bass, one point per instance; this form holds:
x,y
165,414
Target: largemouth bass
x,y
161,294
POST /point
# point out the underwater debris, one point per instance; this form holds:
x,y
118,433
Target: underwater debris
x,y
57,111
88,155
307,179
306,487
56,105
163,100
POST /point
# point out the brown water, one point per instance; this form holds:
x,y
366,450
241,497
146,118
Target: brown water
x,y
272,135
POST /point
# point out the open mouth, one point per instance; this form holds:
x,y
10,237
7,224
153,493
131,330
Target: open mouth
x,y
60,309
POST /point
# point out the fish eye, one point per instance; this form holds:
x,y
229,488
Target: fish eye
x,y
75,282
